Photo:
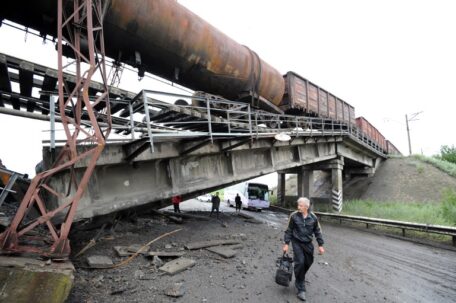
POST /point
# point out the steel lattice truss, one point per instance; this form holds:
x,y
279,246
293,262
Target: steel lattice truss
x,y
82,24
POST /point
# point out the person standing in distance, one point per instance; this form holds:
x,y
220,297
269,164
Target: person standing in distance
x,y
238,203
176,200
302,225
215,204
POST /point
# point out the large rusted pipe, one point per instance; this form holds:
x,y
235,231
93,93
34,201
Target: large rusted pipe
x,y
166,39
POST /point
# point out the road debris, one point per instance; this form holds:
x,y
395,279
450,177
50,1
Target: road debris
x,y
166,254
204,244
176,290
99,262
178,265
222,251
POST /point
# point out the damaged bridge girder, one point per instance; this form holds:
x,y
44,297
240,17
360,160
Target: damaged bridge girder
x,y
119,184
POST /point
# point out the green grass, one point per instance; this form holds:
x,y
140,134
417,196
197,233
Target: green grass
x,y
448,206
448,167
427,213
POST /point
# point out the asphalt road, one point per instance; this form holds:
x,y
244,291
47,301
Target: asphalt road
x,y
367,267
359,266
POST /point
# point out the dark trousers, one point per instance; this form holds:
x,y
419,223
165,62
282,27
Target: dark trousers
x,y
176,208
215,206
303,259
238,206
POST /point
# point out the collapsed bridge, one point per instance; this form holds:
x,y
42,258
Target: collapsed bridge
x,y
200,143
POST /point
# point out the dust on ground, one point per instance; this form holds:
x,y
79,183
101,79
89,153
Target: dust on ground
x,y
356,268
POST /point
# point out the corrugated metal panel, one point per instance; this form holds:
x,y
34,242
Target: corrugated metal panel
x,y
332,107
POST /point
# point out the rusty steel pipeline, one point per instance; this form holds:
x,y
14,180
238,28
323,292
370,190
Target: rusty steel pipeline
x,y
166,39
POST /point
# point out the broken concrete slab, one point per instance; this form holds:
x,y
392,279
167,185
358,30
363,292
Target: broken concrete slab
x,y
178,265
30,280
125,251
204,244
235,246
176,290
222,251
157,261
254,221
99,262
4,221
187,216
122,251
166,254
136,247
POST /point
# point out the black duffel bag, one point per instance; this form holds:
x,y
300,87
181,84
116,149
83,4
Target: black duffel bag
x,y
284,272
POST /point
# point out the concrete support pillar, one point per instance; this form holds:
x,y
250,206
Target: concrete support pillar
x,y
305,182
281,189
337,167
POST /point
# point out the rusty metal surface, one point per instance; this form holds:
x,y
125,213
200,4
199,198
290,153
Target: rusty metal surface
x,y
40,190
313,100
166,39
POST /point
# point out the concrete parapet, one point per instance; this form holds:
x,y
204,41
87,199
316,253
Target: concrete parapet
x,y
26,280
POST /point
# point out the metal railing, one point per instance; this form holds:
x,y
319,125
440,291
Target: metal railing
x,y
236,119
213,116
426,228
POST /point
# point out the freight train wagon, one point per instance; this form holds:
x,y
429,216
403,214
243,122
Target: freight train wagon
x,y
391,149
370,131
303,96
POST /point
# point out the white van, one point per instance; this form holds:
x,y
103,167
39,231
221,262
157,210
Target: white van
x,y
253,195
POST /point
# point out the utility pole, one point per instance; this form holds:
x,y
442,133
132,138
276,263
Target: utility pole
x,y
407,120
408,135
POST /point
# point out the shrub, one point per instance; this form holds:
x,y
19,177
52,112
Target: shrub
x,y
448,206
448,153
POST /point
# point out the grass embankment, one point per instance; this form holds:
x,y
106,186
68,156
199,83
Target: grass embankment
x,y
443,213
448,167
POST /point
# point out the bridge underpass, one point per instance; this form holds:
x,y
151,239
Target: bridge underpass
x,y
190,167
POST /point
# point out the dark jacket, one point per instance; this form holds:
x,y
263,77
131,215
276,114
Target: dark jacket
x,y
238,200
302,230
215,200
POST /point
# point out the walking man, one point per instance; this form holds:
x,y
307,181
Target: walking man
x,y
302,225
215,204
238,202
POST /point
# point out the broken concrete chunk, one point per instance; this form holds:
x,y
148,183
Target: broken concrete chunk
x,y
254,221
29,280
136,247
122,251
125,251
203,244
157,261
222,251
178,265
235,246
176,290
139,274
165,253
99,262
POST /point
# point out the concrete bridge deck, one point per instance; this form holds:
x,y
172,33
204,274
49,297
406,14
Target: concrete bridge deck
x,y
184,149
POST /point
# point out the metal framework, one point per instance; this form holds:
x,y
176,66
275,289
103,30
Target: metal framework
x,y
82,24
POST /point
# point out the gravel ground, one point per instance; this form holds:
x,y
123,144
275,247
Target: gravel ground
x,y
359,266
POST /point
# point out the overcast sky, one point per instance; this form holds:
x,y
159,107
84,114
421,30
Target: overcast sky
x,y
386,58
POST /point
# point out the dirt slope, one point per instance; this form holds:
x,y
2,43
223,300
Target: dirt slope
x,y
397,179
401,179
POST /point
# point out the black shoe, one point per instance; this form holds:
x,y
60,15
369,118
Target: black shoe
x,y
302,295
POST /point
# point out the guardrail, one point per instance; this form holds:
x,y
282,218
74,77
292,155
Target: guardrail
x,y
427,228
